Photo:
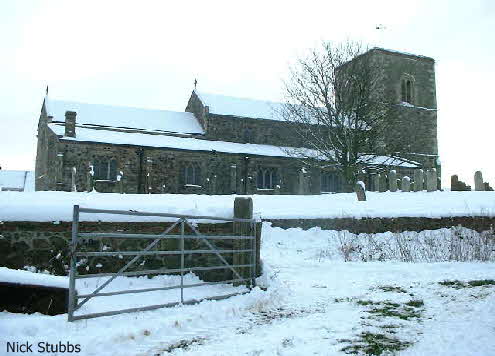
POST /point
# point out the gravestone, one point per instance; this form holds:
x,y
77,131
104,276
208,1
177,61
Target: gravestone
x,y
376,182
360,190
418,180
487,187
392,181
302,182
89,178
120,182
431,180
406,184
73,187
458,186
478,182
383,183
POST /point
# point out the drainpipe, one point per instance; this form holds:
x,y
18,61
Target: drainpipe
x,y
140,173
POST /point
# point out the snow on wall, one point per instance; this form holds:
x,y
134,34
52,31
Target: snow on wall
x,y
119,116
57,206
26,277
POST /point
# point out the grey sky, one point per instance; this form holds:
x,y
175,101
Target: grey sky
x,y
147,54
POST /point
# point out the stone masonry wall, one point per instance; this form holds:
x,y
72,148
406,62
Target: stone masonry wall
x,y
257,131
45,245
377,225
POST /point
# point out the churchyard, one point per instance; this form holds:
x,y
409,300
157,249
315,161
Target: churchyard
x,y
392,274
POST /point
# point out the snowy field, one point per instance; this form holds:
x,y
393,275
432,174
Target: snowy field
x,y
57,206
314,304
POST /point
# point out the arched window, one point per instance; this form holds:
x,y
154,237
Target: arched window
x,y
192,174
105,169
406,90
267,178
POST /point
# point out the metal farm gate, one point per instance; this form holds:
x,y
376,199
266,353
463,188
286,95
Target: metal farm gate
x,y
243,240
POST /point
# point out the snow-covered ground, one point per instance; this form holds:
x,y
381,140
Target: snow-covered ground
x,y
315,303
57,206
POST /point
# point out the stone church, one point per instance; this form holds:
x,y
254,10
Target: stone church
x,y
219,144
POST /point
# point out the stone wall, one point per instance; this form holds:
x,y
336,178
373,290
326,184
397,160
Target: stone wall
x,y
45,245
161,170
377,225
248,130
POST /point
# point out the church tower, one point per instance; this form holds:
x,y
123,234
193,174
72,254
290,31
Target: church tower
x,y
408,84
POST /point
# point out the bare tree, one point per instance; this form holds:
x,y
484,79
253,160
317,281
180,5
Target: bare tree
x,y
334,101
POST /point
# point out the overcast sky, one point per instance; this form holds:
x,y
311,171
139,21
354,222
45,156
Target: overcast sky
x,y
148,53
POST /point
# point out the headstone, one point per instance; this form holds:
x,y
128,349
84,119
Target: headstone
x,y
431,180
89,178
458,186
360,190
376,182
302,182
418,180
487,187
73,187
478,181
392,181
120,182
383,183
213,184
406,184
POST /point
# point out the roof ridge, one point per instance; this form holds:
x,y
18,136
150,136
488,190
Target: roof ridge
x,y
112,105
199,93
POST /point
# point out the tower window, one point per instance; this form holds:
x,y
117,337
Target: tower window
x,y
406,90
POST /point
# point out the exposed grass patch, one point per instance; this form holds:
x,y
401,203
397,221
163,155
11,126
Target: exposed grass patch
x,y
366,302
374,344
390,326
184,344
416,303
453,284
481,282
469,284
392,289
395,310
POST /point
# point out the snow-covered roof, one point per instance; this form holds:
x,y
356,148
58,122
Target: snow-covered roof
x,y
17,180
241,107
195,144
124,117
165,141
